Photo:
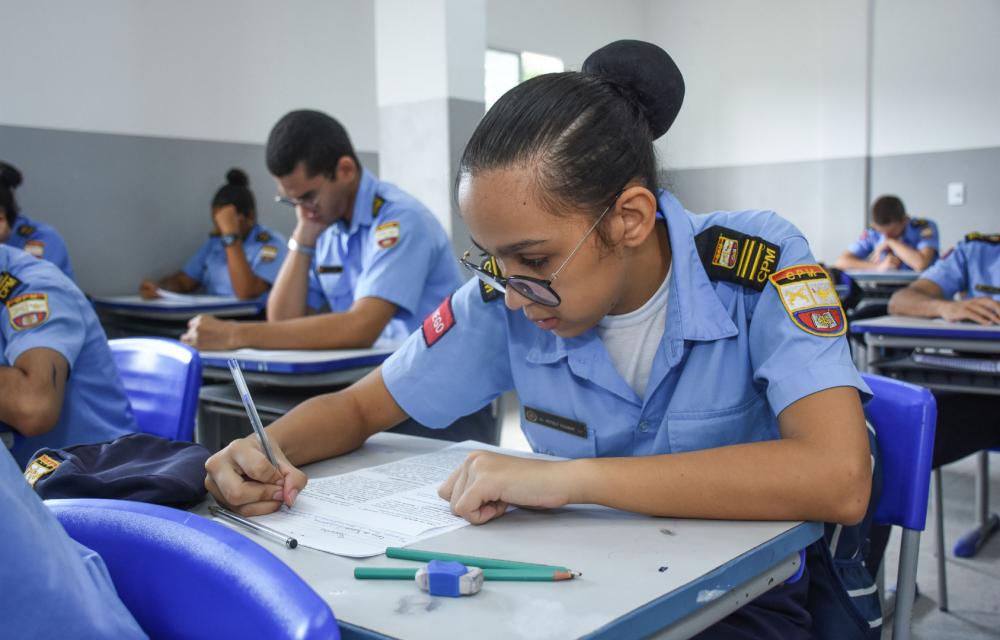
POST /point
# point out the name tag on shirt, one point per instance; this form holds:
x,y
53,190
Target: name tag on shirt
x,y
329,268
553,421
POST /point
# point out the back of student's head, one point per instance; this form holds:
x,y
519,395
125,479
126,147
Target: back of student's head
x,y
584,135
888,210
236,192
10,179
311,137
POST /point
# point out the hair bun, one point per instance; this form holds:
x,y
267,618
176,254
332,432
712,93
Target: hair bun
x,y
648,73
10,177
237,177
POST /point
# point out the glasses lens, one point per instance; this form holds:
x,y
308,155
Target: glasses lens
x,y
534,291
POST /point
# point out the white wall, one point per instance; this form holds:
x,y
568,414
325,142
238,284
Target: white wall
x,y
567,29
773,82
936,76
222,70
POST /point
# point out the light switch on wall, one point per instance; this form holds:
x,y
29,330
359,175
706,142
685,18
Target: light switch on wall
x,y
956,193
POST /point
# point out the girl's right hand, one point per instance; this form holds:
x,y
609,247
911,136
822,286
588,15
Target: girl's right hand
x,y
241,478
147,289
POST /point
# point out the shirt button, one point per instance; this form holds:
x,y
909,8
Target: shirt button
x,y
644,426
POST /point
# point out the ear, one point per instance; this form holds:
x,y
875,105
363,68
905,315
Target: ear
x,y
635,214
347,169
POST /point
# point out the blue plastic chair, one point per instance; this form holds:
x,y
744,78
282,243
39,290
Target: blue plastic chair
x,y
162,379
183,576
904,416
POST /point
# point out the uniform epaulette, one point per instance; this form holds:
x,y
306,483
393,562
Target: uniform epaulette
x,y
917,223
25,230
8,285
992,238
377,205
737,257
263,236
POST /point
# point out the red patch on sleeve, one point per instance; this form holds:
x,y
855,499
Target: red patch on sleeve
x,y
438,323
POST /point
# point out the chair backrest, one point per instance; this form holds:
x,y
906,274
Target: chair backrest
x,y
162,379
183,576
904,416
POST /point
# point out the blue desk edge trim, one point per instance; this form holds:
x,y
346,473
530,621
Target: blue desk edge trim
x,y
943,332
188,308
259,366
672,607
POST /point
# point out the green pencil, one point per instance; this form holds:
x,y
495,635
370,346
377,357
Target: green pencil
x,y
547,574
469,561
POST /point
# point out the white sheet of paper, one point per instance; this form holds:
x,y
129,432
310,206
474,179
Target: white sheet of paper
x,y
295,355
359,514
169,299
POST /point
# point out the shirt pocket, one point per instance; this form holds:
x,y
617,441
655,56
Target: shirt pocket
x,y
749,421
556,442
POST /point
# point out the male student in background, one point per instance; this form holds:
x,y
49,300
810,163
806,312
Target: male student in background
x,y
366,260
894,242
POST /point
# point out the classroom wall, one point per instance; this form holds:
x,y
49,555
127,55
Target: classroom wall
x,y
125,116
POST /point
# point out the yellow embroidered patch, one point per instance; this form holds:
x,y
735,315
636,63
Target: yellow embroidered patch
x,y
40,467
28,310
810,299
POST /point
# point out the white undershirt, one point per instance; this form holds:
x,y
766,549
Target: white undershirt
x,y
632,339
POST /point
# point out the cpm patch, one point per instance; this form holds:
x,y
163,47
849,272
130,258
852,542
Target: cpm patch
x,y
35,248
810,299
8,284
28,310
732,256
489,292
438,323
387,235
40,467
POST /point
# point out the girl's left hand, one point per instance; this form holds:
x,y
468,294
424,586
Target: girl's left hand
x,y
480,489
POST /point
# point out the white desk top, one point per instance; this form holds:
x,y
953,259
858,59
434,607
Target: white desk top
x,y
885,277
296,361
620,555
925,327
177,308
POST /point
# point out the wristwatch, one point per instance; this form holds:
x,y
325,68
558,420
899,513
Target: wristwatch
x,y
293,245
229,239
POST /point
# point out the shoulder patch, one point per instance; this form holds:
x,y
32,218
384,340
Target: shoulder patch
x,y
40,467
808,296
268,252
919,222
25,230
993,238
263,236
35,248
927,232
491,267
377,205
387,235
737,257
8,285
28,310
438,323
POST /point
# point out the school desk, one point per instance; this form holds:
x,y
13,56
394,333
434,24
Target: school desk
x,y
124,316
890,342
641,574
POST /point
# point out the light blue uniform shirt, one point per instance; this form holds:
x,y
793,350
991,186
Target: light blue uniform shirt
x,y
46,310
972,269
53,586
730,360
394,249
42,241
919,233
265,250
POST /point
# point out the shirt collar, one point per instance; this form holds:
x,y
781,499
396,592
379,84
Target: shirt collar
x,y
363,201
692,296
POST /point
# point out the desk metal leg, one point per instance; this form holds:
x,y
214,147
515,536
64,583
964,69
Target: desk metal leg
x,y
969,544
732,600
939,541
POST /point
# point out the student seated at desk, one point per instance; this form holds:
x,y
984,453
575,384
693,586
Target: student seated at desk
x,y
58,382
240,258
677,383
894,242
52,584
36,238
367,251
966,422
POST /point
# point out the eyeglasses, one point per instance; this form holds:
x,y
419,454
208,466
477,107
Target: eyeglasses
x,y
535,289
311,203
